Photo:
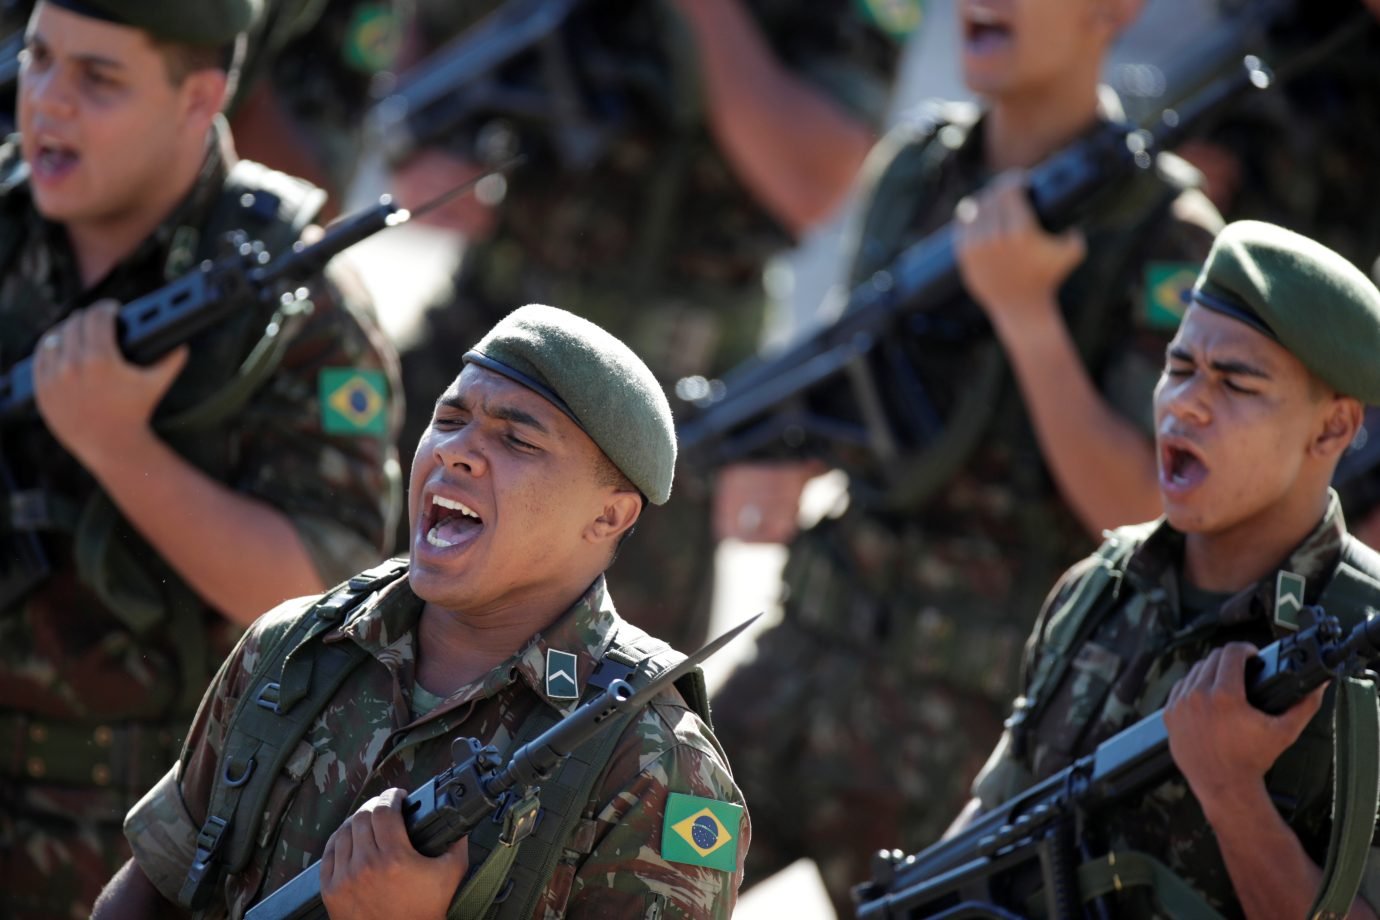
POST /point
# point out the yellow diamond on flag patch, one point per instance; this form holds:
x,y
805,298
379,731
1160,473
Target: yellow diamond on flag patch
x,y
353,401
1167,293
701,832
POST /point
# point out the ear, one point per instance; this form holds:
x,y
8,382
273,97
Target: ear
x,y
621,511
1341,420
1114,16
203,96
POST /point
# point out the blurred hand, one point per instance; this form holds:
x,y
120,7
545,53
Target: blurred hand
x,y
90,397
1220,742
1008,263
370,871
760,502
1374,7
430,173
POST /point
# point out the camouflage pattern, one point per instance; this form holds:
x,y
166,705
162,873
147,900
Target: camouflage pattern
x,y
881,691
92,701
1124,672
369,738
661,244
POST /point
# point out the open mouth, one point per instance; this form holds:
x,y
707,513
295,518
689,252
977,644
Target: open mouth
x,y
52,159
449,523
1181,467
985,30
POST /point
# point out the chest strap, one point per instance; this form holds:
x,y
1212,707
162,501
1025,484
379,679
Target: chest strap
x,y
294,680
516,872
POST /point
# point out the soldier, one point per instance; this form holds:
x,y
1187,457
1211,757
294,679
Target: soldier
x,y
877,697
538,461
761,124
1273,362
174,502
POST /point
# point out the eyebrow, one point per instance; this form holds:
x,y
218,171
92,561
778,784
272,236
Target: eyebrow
x,y
1239,368
90,59
504,413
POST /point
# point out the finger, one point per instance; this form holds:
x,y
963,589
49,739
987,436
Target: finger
x,y
457,855
165,370
1230,677
344,845
98,332
328,861
363,846
386,821
1074,245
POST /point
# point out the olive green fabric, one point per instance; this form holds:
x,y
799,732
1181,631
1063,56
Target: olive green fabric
x,y
203,22
1312,300
594,379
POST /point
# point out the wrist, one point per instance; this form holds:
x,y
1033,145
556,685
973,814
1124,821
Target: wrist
x,y
126,448
1228,806
1026,321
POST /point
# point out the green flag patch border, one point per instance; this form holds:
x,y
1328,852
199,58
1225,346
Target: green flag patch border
x,y
701,832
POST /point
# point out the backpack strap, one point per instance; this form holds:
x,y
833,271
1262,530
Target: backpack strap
x,y
293,681
1062,629
513,893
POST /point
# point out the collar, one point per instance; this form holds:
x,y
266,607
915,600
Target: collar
x,y
1157,561
386,629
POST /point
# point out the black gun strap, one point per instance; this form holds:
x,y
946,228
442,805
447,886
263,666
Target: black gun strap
x,y
286,694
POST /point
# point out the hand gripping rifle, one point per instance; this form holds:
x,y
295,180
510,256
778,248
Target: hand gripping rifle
x,y
993,865
153,325
448,806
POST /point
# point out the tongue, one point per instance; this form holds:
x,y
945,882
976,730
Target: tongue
x,y
457,528
1188,469
988,38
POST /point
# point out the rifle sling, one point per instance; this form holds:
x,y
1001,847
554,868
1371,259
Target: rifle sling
x,y
1355,797
1121,869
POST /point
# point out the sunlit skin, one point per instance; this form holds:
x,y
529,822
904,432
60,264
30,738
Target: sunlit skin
x,y
1246,442
112,143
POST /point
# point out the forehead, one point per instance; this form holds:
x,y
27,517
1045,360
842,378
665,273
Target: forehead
x,y
69,32
485,392
1209,332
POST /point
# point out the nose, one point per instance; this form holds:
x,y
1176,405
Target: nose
x,y
1184,399
461,449
45,95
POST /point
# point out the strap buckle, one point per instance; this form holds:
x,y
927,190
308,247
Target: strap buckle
x,y
521,820
200,881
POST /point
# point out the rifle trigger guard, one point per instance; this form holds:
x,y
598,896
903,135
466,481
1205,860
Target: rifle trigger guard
x,y
521,819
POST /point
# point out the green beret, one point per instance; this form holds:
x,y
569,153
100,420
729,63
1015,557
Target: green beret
x,y
1301,294
189,22
594,379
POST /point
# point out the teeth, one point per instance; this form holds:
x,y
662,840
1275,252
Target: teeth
x,y
982,17
435,540
454,506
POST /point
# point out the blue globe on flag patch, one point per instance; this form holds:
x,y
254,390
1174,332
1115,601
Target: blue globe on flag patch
x,y
705,832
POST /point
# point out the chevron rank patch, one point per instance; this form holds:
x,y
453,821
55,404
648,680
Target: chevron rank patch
x,y
353,401
1288,599
1167,287
701,832
561,669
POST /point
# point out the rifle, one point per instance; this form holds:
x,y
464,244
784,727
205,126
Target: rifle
x,y
821,394
993,865
153,325
448,806
532,75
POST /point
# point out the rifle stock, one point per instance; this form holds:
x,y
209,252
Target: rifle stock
x,y
992,859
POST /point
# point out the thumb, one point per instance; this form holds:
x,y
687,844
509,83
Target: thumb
x,y
1292,721
165,370
458,853
1074,245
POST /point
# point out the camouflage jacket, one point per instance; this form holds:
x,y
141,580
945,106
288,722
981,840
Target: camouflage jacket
x,y
659,241
1124,672
945,559
66,654
369,739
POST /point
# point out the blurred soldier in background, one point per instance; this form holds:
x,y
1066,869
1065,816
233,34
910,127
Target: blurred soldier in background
x,y
869,709
173,502
756,117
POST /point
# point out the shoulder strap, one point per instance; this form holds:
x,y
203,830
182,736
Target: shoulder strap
x,y
293,681
1062,629
633,656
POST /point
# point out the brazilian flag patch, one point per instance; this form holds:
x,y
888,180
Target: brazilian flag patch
x,y
373,38
701,832
897,18
353,401
1167,287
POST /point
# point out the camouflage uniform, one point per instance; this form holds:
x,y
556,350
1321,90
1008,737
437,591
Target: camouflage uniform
x,y
662,245
102,664
882,690
1156,630
372,736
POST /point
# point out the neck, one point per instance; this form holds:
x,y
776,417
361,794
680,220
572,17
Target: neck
x,y
101,243
455,648
1022,129
1237,557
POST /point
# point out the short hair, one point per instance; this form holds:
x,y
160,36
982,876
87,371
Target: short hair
x,y
607,474
182,60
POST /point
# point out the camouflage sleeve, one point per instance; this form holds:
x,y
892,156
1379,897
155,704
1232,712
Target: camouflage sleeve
x,y
317,441
1156,298
628,872
162,826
